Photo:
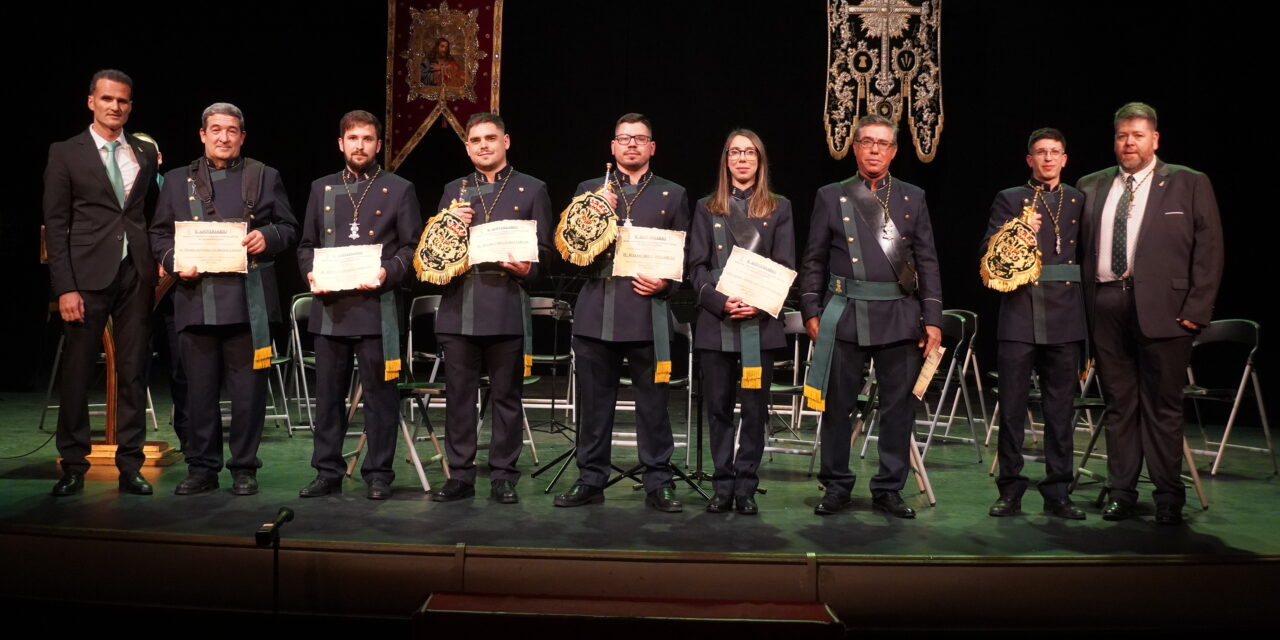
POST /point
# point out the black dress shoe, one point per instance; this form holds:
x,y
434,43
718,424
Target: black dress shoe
x,y
244,483
1117,511
504,491
453,490
1063,508
832,502
196,482
71,483
135,484
321,487
1168,514
746,505
379,489
720,503
664,500
891,503
1005,506
579,495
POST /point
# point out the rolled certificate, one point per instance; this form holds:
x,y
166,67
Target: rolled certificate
x,y
759,281
504,241
649,252
346,268
210,247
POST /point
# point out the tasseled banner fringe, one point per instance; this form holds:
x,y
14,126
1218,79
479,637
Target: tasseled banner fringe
x,y
662,372
391,370
751,377
262,358
814,396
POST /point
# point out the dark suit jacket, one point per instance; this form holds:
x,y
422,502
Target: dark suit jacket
x,y
1063,302
272,216
827,252
496,293
1177,265
84,223
662,205
390,216
777,242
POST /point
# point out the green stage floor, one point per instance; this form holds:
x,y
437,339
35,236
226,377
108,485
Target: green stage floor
x,y
1244,518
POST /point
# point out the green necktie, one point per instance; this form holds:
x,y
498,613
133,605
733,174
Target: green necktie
x,y
113,170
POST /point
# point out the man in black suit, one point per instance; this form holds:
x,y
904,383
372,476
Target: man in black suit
x,y
223,318
870,288
360,205
1041,329
97,197
1151,273
483,320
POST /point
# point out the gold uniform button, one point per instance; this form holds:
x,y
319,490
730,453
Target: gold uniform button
x,y
906,217
1025,201
384,190
328,188
196,218
843,199
855,259
1067,283
906,197
662,212
850,238
1073,242
846,218
717,225
517,208
328,209
189,180
521,189
664,194
377,212
766,224
1073,200
719,247
251,216
191,197
370,233
1073,221
328,230
1036,283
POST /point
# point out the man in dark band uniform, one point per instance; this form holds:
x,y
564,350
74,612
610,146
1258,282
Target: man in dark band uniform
x,y
614,319
1042,329
483,320
871,288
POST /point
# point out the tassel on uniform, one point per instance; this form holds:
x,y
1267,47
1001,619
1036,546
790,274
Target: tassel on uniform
x,y
814,396
528,365
662,372
391,370
262,358
751,377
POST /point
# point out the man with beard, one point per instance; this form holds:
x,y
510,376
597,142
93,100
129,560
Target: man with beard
x,y
359,205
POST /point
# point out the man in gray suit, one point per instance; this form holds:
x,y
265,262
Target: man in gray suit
x,y
97,197
1152,266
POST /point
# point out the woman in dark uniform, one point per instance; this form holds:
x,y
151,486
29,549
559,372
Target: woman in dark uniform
x,y
735,341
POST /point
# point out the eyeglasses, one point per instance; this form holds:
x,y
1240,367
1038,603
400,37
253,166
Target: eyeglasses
x,y
872,143
623,138
1051,154
749,152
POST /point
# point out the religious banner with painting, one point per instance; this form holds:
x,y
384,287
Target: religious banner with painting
x,y
444,63
884,57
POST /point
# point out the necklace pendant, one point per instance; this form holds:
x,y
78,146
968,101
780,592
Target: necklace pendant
x,y
627,222
355,231
1057,246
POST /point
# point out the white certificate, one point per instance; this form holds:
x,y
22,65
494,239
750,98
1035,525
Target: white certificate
x,y
759,281
210,247
653,253
346,268
504,241
927,370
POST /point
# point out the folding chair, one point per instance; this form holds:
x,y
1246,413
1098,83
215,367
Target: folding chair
x,y
1245,335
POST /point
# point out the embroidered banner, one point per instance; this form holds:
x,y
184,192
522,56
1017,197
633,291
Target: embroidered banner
x,y
880,52
444,62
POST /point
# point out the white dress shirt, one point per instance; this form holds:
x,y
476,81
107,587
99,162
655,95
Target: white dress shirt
x,y
1106,227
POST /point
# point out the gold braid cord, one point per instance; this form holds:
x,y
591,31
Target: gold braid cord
x,y
1012,258
587,227
442,251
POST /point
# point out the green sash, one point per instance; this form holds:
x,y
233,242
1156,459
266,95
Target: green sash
x,y
750,328
1048,273
858,289
658,313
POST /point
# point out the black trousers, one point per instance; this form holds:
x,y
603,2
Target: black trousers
x,y
503,358
210,355
1142,380
334,356
1056,365
598,366
736,463
897,366
128,303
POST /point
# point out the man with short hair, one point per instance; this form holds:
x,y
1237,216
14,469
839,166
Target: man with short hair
x,y
484,314
222,318
613,320
1151,272
870,288
359,205
97,197
1041,329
